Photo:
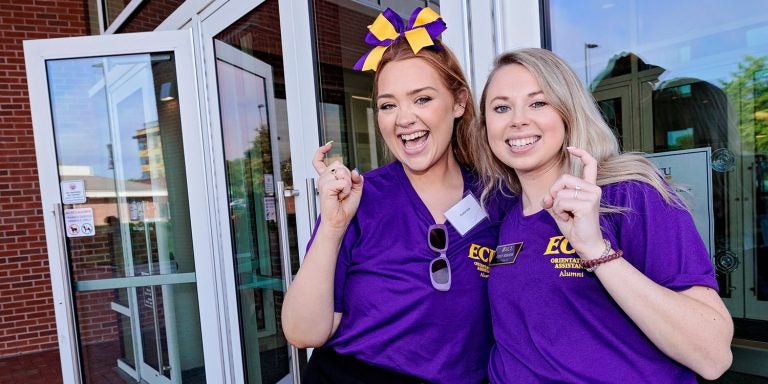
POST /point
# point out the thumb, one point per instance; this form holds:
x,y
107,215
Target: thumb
x,y
357,179
547,202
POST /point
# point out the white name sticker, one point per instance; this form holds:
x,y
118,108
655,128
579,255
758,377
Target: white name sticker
x,y
466,214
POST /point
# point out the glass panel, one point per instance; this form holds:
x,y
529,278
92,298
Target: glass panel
x,y
345,94
118,140
127,354
106,336
757,74
112,9
611,109
708,75
254,122
153,333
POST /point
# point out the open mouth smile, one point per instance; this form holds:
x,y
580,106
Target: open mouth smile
x,y
415,139
522,143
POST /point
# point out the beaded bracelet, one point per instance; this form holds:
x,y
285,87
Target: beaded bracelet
x,y
591,265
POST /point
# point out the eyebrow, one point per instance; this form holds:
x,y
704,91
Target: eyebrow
x,y
530,95
409,93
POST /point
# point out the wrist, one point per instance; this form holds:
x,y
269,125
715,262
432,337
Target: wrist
x,y
595,251
327,230
591,265
608,254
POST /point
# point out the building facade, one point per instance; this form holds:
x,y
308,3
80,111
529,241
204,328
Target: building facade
x,y
155,159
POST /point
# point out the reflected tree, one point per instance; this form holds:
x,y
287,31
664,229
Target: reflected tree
x,y
748,90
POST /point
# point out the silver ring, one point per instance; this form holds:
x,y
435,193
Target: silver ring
x,y
576,194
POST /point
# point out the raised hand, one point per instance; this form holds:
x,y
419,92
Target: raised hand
x,y
340,190
574,203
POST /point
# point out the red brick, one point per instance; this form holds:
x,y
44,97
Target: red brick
x,y
24,274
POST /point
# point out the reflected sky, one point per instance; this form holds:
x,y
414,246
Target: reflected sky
x,y
87,120
243,108
704,39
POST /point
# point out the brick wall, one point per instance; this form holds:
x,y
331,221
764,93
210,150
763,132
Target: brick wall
x,y
26,304
149,15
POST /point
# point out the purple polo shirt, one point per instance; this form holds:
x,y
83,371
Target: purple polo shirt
x,y
554,322
392,316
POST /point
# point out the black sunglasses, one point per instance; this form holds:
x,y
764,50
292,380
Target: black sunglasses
x,y
439,268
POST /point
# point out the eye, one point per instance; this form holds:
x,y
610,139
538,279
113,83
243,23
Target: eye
x,y
538,104
423,100
386,106
501,109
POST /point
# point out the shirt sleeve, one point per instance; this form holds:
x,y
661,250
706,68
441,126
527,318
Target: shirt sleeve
x,y
659,239
342,262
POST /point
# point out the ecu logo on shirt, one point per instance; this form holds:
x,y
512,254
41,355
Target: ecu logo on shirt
x,y
559,244
482,256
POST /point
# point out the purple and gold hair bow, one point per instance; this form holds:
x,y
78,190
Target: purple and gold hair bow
x,y
423,27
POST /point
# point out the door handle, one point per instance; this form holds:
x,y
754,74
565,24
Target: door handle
x,y
312,203
285,255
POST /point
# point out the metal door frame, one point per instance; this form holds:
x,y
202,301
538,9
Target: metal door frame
x,y
37,52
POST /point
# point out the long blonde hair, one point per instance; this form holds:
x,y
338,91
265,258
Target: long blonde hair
x,y
585,128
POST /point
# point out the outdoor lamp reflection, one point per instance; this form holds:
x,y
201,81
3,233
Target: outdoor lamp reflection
x,y
167,91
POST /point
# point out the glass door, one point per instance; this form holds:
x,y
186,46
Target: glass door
x,y
615,105
753,113
254,170
115,172
252,155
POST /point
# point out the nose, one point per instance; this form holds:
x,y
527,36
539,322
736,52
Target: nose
x,y
518,118
405,117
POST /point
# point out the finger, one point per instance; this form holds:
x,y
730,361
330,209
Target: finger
x,y
589,174
317,159
565,182
341,179
357,179
558,214
338,170
342,190
547,202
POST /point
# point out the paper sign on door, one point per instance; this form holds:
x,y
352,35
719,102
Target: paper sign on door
x,y
73,192
79,222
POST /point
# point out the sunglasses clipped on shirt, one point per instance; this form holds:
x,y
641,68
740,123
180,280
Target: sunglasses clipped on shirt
x,y
439,268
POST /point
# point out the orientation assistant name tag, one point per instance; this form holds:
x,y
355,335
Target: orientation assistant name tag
x,y
466,214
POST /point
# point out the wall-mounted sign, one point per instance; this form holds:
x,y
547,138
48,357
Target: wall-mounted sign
x,y
79,222
269,183
270,210
690,171
73,192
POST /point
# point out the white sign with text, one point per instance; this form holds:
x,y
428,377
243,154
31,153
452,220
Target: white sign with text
x,y
690,171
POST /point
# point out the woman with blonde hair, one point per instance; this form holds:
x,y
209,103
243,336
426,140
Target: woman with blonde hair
x,y
600,274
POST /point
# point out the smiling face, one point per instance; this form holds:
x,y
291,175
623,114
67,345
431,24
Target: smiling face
x,y
524,131
416,113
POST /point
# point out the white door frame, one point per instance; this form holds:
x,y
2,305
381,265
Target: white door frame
x,y
303,125
36,54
